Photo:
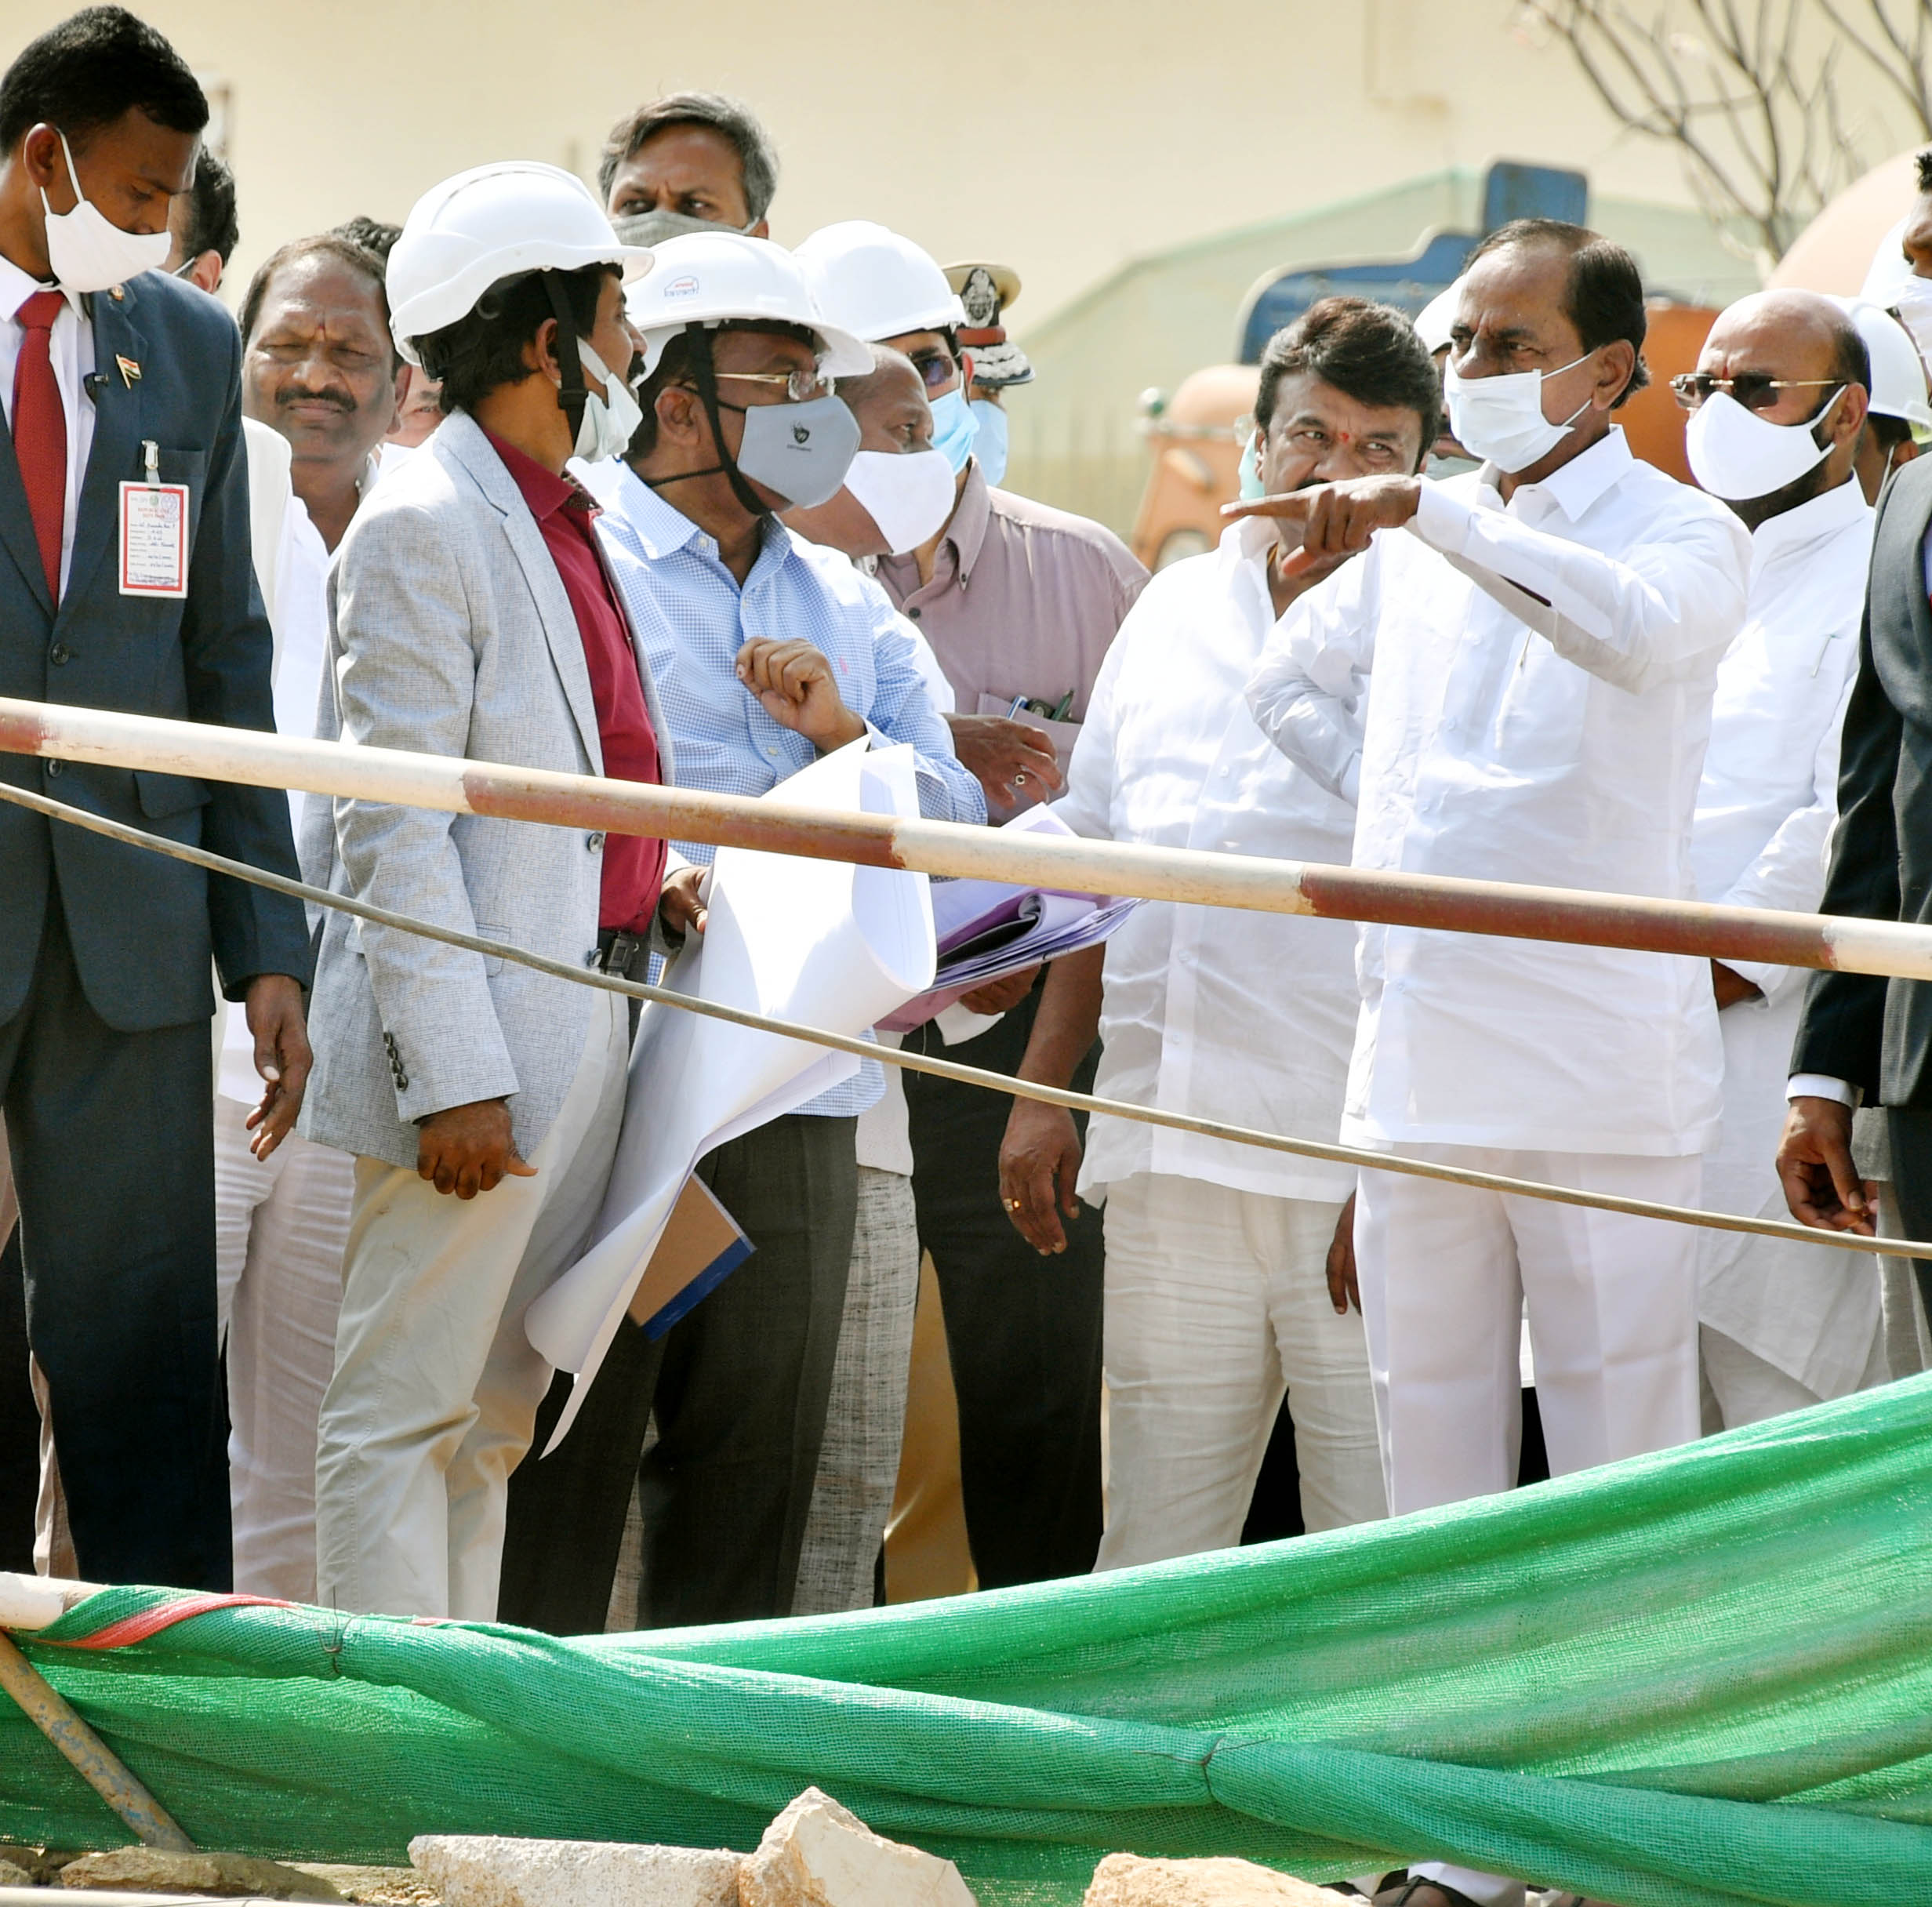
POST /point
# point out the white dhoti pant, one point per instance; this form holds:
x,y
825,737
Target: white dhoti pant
x,y
1741,1388
1447,1272
1812,1315
865,1420
1217,1304
435,1393
281,1227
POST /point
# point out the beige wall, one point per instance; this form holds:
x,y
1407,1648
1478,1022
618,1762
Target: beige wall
x,y
1062,136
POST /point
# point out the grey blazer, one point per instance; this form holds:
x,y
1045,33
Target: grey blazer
x,y
451,634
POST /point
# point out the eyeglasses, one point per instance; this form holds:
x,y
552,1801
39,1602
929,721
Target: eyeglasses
x,y
1754,390
936,368
800,386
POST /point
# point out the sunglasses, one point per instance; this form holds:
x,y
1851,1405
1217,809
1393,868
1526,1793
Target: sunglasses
x,y
936,368
1754,389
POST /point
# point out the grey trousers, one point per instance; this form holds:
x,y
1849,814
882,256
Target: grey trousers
x,y
865,1419
740,1387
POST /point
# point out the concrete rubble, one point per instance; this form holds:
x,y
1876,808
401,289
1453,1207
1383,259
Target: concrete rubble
x,y
1127,1880
155,1870
487,1870
817,1854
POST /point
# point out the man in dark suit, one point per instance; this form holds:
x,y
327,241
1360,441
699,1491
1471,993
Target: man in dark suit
x,y
1865,1039
122,395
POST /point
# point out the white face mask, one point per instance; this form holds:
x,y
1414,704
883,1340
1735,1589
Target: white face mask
x,y
90,253
908,495
1912,300
1500,419
1738,455
608,422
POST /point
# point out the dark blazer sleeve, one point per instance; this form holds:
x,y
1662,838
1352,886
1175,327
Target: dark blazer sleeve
x,y
1841,1031
226,647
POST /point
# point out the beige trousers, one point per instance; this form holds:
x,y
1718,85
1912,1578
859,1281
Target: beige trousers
x,y
1217,1305
434,1398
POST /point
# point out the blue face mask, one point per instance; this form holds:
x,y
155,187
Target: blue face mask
x,y
1252,485
989,446
954,428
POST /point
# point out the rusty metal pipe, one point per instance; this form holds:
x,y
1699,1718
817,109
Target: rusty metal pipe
x,y
93,1760
1318,889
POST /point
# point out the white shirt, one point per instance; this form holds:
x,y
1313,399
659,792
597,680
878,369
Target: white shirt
x,y
1768,799
1557,743
1766,809
71,346
1218,1012
298,613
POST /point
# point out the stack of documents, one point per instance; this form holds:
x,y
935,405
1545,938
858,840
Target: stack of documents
x,y
825,943
986,929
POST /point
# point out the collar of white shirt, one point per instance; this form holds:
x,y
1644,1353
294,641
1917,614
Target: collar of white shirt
x,y
1574,487
1247,540
17,286
1810,522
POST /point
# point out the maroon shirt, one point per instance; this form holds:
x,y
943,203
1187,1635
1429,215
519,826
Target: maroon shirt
x,y
633,866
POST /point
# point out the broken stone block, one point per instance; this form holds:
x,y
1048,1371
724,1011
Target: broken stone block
x,y
817,1854
494,1870
12,1876
156,1870
42,1864
1127,1880
377,1886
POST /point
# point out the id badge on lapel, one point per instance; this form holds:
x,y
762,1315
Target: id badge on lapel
x,y
154,535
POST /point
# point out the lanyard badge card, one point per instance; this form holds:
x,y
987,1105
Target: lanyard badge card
x,y
154,532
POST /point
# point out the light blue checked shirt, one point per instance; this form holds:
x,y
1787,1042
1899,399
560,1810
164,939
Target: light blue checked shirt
x,y
692,619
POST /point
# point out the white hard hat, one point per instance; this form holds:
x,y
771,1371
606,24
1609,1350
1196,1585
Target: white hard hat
x,y
1898,385
877,284
1890,270
1436,319
492,222
706,278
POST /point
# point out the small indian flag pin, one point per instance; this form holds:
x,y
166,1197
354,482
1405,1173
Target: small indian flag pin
x,y
130,371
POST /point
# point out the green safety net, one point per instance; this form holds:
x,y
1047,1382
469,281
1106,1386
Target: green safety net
x,y
1695,1680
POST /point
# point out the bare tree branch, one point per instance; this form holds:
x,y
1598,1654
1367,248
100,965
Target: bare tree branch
x,y
1897,51
1749,92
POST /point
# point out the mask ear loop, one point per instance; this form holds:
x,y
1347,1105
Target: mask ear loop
x,y
704,374
1825,411
573,394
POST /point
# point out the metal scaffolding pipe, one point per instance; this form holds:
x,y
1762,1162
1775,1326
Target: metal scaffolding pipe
x,y
1314,888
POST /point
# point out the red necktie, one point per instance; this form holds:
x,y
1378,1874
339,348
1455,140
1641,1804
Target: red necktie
x,y
40,430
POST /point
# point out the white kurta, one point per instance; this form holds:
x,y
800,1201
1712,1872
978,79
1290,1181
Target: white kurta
x,y
299,617
1216,1011
1766,809
1553,741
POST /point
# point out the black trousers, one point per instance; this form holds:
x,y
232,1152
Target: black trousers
x,y
113,1152
20,1419
739,1387
1908,1134
1022,1332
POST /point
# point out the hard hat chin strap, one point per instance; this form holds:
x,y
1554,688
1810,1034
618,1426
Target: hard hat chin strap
x,y
573,394
704,374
